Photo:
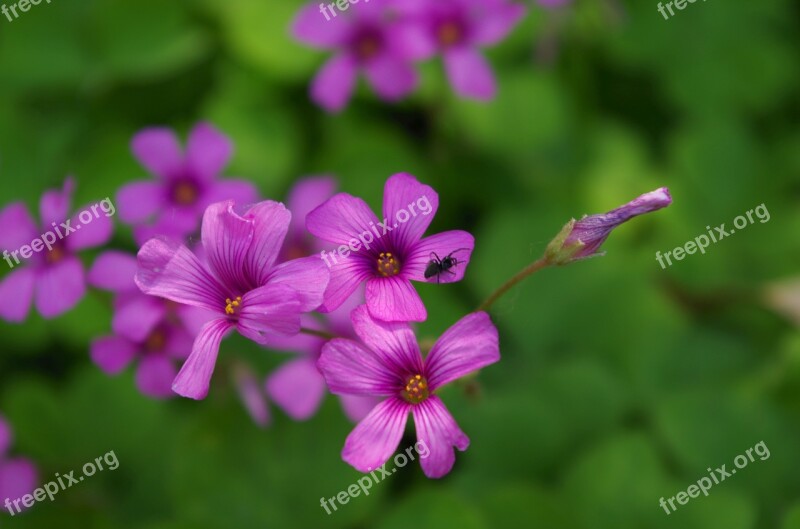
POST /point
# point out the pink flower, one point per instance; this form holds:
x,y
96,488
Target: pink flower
x,y
54,276
304,196
458,29
185,183
241,284
592,231
364,40
156,332
396,252
18,476
389,364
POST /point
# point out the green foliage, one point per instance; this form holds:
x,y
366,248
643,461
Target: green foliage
x,y
620,382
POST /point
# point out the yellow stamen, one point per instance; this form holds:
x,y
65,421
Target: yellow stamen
x,y
230,307
416,390
388,265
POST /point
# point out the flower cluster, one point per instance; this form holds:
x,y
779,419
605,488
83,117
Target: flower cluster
x,y
383,40
214,259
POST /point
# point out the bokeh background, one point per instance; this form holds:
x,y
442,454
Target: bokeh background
x,y
620,382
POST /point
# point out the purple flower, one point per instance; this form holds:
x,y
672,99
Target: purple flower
x,y
18,476
241,284
458,29
157,332
364,40
583,238
304,196
53,277
185,183
393,253
389,364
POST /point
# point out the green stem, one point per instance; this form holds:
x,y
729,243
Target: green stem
x,y
508,285
319,334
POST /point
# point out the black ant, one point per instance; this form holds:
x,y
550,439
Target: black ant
x,y
438,266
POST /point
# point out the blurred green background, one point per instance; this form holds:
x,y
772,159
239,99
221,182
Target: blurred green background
x,y
620,382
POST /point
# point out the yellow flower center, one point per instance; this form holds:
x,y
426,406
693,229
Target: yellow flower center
x,y
156,341
388,265
231,306
449,33
185,193
367,48
416,389
54,255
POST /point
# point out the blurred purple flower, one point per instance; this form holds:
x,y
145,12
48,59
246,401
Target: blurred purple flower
x,y
297,387
396,256
592,231
156,331
18,476
241,284
364,40
389,364
185,183
55,277
458,29
304,196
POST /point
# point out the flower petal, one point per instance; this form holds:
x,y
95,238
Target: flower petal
x,y
170,270
16,291
18,227
333,85
241,192
306,194
356,407
341,218
114,271
179,342
112,354
194,377
351,369
374,439
154,376
59,287
268,310
437,430
251,395
307,276
90,234
346,276
469,73
457,244
226,240
467,346
312,26
136,315
394,343
159,151
497,23
138,201
18,477
208,151
391,77
410,206
270,224
297,387
55,203
394,299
